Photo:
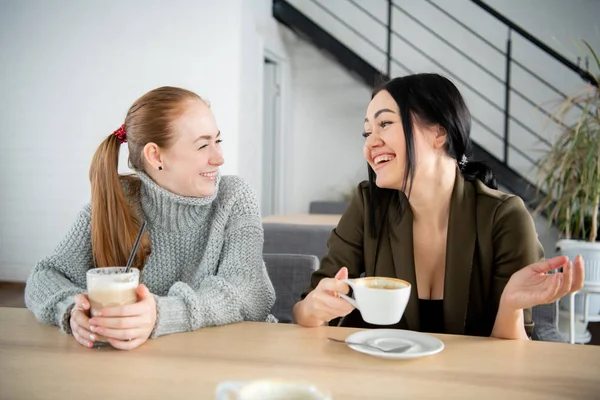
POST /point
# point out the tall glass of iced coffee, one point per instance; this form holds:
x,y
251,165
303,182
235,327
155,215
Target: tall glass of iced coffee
x,y
109,287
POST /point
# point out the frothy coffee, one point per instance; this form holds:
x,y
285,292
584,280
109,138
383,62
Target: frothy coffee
x,y
118,295
110,287
383,283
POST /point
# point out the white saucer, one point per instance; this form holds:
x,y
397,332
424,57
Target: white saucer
x,y
421,343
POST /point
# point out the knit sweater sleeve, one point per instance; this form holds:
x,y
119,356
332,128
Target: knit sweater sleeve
x,y
56,279
239,291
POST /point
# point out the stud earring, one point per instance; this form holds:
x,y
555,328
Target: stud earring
x,y
160,167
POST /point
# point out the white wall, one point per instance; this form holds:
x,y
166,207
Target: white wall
x,y
260,35
324,158
71,69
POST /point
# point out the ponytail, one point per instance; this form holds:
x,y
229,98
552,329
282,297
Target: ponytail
x,y
472,170
114,224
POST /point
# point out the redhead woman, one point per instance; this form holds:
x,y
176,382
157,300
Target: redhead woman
x,y
201,256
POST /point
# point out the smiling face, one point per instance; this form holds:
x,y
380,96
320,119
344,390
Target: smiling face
x,y
389,151
189,166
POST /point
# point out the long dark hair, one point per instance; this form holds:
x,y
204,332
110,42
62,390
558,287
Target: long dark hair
x,y
430,99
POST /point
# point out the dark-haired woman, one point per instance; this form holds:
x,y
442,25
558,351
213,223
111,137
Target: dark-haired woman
x,y
433,217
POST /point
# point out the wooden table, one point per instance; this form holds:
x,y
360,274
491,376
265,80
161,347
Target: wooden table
x,y
304,219
39,362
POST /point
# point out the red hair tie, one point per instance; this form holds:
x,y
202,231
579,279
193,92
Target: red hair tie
x,y
121,134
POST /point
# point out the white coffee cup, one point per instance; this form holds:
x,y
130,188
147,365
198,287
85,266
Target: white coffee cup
x,y
380,300
269,390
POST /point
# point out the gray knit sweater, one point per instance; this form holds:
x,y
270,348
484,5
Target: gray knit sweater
x,y
205,269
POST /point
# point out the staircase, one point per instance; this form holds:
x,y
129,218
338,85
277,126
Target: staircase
x,y
487,57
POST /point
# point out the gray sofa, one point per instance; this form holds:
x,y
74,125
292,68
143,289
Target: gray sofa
x,y
290,275
327,207
296,239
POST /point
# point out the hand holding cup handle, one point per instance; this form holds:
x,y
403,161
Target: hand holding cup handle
x,y
380,300
349,282
324,303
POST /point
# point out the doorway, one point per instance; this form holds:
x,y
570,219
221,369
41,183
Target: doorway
x,y
271,143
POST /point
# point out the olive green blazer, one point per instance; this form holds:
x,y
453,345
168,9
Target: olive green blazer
x,y
490,236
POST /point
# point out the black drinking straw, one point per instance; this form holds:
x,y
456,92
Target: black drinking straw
x,y
135,246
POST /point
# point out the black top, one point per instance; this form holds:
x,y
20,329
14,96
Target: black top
x,y
431,315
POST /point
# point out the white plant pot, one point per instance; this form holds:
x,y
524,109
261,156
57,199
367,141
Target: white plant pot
x,y
591,256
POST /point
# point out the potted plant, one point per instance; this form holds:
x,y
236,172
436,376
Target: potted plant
x,y
569,174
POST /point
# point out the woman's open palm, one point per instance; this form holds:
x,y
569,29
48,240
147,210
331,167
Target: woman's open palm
x,y
532,285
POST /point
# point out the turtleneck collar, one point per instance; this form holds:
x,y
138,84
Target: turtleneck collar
x,y
170,211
